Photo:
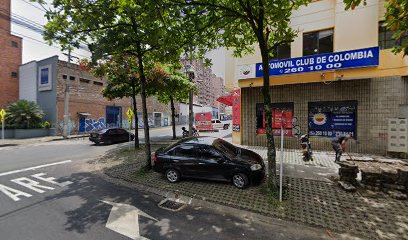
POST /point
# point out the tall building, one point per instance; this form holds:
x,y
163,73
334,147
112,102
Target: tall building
x,y
10,57
210,87
338,76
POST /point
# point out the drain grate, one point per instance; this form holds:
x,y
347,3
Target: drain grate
x,y
171,205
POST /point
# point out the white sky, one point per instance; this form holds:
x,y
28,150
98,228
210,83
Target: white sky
x,y
35,48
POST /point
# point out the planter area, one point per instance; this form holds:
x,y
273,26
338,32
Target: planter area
x,y
26,133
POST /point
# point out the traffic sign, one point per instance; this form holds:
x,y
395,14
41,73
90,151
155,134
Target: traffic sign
x,y
129,113
2,115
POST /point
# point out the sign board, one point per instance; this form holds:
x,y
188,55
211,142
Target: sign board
x,y
236,110
330,119
366,57
2,115
129,113
280,111
203,121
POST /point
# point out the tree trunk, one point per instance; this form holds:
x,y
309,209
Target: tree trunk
x,y
173,117
137,145
148,165
268,112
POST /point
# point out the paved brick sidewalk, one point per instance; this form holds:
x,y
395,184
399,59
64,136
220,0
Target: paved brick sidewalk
x,y
318,203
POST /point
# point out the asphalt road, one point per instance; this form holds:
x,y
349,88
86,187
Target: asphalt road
x,y
47,193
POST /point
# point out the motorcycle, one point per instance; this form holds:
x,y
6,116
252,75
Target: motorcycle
x,y
306,147
185,132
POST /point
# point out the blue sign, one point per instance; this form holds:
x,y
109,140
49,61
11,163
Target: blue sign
x,y
365,57
329,119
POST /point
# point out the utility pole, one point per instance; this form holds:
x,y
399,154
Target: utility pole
x,y
65,132
190,74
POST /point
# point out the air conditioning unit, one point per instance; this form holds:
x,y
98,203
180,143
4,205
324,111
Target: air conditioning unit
x,y
398,135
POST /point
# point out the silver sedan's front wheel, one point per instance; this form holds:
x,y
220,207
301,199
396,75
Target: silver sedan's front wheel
x,y
172,175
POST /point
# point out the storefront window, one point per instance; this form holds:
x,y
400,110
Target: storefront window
x,y
385,40
318,42
331,119
278,110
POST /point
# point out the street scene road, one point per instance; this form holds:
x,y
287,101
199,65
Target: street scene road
x,y
47,191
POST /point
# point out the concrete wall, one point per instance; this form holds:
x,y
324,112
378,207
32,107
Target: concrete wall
x,y
47,99
378,99
28,82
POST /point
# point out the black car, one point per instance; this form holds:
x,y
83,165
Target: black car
x,y
209,158
110,136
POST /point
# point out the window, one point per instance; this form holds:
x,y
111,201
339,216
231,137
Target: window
x,y
385,40
279,110
318,42
44,78
64,76
84,80
14,44
186,151
14,74
209,152
72,78
98,83
282,52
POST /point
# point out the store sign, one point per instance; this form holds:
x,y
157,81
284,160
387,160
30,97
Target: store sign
x,y
203,121
366,57
282,113
236,110
330,119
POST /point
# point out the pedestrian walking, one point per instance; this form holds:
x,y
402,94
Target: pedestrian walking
x,y
339,146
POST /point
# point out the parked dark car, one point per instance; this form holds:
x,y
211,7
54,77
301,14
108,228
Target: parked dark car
x,y
110,136
209,158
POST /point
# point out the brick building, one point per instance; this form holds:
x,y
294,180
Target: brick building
x,y
337,77
10,57
44,83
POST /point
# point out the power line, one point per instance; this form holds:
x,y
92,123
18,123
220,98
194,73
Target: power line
x,y
29,3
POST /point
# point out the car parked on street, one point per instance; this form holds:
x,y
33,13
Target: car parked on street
x,y
110,136
209,158
217,124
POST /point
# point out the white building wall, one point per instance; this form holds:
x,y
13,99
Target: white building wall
x,y
28,81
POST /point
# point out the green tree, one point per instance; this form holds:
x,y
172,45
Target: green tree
x,y
122,78
137,28
396,19
172,85
241,25
24,114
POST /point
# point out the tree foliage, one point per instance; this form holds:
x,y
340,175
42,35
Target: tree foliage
x,y
396,19
24,114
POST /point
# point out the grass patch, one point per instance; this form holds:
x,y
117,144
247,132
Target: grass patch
x,y
272,196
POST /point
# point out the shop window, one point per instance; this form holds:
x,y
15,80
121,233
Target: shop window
x,y
278,110
14,44
318,42
331,119
14,74
385,40
282,52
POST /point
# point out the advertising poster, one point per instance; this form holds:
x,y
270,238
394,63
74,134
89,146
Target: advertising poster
x,y
281,112
236,110
203,121
330,119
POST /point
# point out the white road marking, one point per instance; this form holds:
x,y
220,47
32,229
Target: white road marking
x,y
34,168
50,180
13,193
124,219
31,184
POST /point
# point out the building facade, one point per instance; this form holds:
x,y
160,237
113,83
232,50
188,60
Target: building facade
x,y
337,77
44,82
10,57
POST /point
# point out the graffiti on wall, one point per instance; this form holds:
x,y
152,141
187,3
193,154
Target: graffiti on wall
x,y
93,124
72,126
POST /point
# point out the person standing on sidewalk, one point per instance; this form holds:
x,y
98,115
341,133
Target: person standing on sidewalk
x,y
339,146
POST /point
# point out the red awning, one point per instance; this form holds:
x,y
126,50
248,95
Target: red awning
x,y
227,100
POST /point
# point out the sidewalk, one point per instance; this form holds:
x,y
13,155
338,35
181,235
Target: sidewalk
x,y
15,142
312,197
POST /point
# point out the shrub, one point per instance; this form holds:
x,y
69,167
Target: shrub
x,y
24,114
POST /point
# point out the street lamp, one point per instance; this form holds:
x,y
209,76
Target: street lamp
x,y
189,70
